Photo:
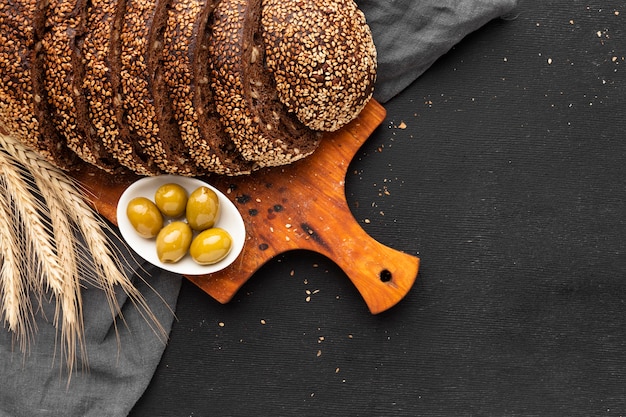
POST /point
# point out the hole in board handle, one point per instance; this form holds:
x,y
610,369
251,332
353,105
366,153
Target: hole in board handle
x,y
385,275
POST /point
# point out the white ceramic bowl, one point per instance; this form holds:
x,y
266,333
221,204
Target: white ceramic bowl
x,y
229,220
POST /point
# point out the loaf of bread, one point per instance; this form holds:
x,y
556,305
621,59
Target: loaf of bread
x,y
188,87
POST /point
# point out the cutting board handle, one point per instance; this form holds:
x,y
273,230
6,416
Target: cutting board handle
x,y
382,275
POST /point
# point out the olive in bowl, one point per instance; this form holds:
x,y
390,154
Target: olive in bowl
x,y
211,246
144,216
171,199
203,208
173,241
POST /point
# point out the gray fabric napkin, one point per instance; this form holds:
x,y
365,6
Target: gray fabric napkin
x,y
120,365
410,36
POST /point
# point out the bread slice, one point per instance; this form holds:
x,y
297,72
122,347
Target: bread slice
x,y
149,116
63,70
23,104
257,122
16,95
185,73
322,57
100,47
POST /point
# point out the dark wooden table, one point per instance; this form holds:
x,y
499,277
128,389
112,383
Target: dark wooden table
x,y
502,168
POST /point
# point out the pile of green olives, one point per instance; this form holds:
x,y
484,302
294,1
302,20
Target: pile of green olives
x,y
191,228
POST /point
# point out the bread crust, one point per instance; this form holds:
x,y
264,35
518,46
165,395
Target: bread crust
x,y
16,93
23,104
63,70
149,116
100,47
242,95
188,87
323,59
183,66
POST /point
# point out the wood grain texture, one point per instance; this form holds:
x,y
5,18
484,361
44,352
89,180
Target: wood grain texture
x,y
299,206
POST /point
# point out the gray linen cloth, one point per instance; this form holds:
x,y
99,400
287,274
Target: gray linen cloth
x,y
120,365
410,35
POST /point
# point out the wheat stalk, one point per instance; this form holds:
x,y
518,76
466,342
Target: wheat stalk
x,y
28,208
69,311
109,271
16,306
68,212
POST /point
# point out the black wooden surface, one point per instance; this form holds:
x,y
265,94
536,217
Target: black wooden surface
x,y
503,168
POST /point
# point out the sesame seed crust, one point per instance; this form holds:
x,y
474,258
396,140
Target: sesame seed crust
x,y
16,93
21,101
98,88
323,59
148,115
235,71
182,41
63,68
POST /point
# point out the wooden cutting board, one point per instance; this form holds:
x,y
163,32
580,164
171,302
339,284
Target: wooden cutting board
x,y
299,206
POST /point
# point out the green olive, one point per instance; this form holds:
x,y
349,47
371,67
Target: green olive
x,y
172,242
144,216
171,199
202,208
211,246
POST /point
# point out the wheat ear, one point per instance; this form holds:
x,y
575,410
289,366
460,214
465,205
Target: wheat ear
x,y
39,243
16,305
69,306
52,264
109,270
56,185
